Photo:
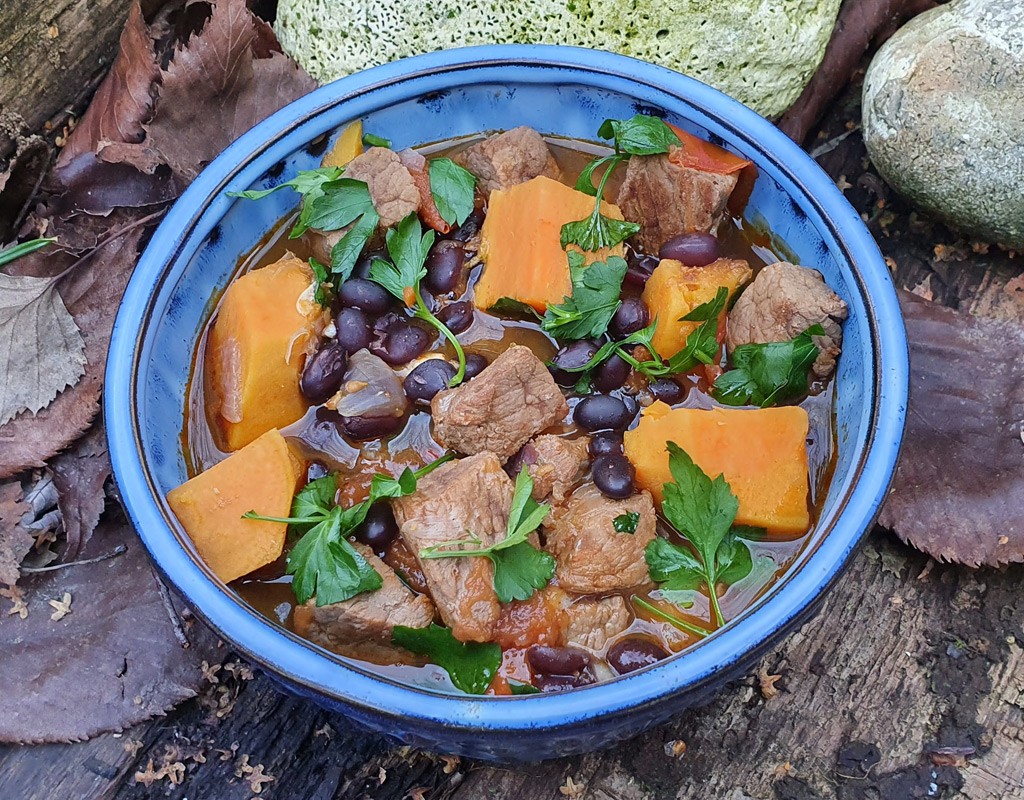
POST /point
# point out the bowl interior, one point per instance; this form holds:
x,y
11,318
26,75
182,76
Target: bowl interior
x,y
195,253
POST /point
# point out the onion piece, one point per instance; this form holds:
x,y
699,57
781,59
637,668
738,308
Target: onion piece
x,y
370,389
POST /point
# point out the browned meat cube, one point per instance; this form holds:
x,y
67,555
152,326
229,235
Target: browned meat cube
x,y
555,464
392,190
592,557
783,301
667,199
501,408
470,496
593,622
509,158
361,627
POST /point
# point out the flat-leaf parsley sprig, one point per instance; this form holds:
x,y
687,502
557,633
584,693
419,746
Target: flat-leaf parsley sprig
x,y
323,563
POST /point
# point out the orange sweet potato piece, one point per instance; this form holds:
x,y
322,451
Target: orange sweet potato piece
x,y
674,290
262,476
761,452
348,145
256,350
521,242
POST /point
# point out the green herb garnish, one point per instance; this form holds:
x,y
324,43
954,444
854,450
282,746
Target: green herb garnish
x,y
323,562
321,273
763,374
594,299
640,136
626,523
470,665
408,247
703,510
307,183
372,140
669,618
514,308
518,688
453,190
519,568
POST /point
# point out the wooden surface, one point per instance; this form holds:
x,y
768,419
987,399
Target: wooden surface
x,y
906,658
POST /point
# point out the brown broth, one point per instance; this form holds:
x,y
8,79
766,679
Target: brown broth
x,y
269,591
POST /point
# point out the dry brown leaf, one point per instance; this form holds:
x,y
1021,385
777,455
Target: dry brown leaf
x,y
111,663
41,349
15,541
91,292
958,488
214,89
79,475
124,100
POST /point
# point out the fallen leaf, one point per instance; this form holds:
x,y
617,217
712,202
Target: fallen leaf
x,y
17,598
20,182
15,541
79,476
956,493
216,71
256,778
91,291
41,348
112,663
767,681
61,608
572,789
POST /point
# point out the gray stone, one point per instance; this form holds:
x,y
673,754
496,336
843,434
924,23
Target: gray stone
x,y
944,116
762,52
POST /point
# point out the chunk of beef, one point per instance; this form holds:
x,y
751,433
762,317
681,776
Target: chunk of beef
x,y
392,187
501,408
593,622
783,301
667,199
361,626
509,158
592,557
555,464
470,496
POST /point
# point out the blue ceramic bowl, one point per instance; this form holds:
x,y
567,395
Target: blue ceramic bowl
x,y
558,90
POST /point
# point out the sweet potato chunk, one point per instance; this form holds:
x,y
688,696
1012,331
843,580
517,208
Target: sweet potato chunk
x,y
261,476
348,145
521,242
675,289
761,452
256,352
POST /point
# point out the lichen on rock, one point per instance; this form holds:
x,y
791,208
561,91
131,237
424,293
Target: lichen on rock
x,y
762,52
944,116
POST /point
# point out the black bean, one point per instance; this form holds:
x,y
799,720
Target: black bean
x,y
557,660
692,249
614,476
611,374
633,653
316,470
457,317
324,372
602,412
640,268
444,266
364,294
475,364
353,329
362,268
629,317
427,379
573,355
667,390
560,683
468,229
364,428
605,443
379,529
399,341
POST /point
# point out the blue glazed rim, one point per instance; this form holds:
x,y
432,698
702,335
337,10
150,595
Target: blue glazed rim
x,y
321,673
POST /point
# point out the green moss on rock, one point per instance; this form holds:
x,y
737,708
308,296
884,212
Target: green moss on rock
x,y
762,52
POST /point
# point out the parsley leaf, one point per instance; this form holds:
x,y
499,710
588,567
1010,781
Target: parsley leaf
x,y
514,308
703,510
452,188
517,687
345,253
641,135
323,562
323,286
337,203
408,247
470,665
626,523
764,374
669,618
308,183
372,140
594,299
519,567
